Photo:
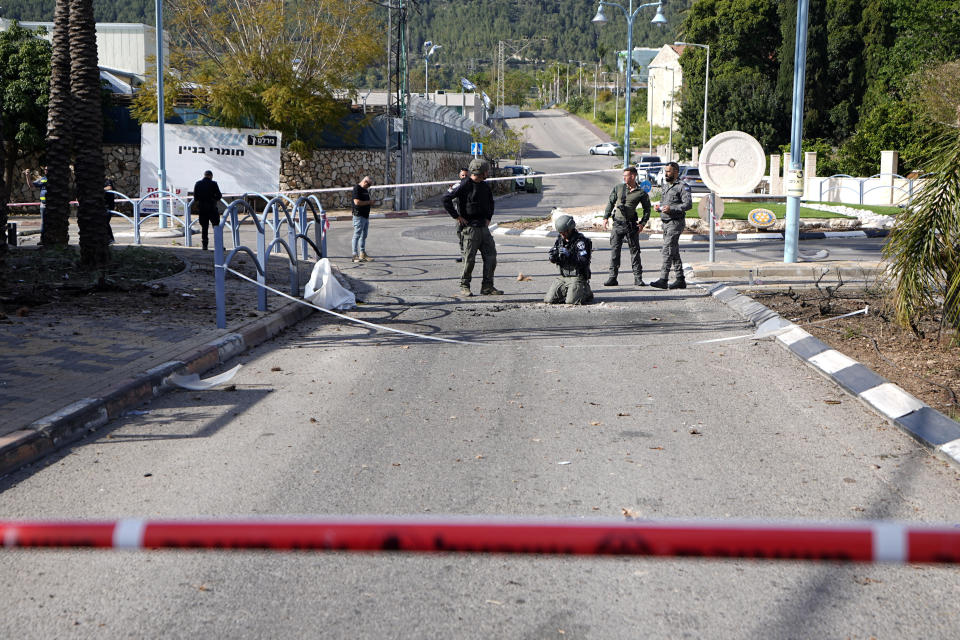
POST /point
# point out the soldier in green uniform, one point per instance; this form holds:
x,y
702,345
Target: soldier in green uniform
x,y
622,207
571,252
474,210
675,201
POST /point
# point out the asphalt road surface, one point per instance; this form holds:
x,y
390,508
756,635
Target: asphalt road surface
x,y
336,418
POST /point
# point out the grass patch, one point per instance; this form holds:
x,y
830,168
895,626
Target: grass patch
x,y
739,210
883,210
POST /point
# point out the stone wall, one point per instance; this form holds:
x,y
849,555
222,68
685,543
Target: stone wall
x,y
332,168
324,169
121,162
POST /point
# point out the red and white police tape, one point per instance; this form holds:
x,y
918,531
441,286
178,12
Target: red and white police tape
x,y
843,542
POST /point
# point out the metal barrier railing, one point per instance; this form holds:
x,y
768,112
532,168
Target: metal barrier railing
x,y
307,213
861,190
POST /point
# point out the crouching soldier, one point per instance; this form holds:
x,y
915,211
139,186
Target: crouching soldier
x,y
571,252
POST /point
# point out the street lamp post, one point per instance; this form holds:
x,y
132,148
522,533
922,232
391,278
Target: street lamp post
x,y
596,73
629,13
792,227
706,84
161,112
673,89
429,49
568,79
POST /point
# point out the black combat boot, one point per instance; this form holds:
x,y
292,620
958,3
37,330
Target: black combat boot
x,y
659,284
679,283
611,282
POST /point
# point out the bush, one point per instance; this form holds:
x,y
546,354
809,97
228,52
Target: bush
x,y
579,104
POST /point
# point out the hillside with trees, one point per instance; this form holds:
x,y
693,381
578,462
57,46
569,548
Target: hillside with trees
x,y
864,61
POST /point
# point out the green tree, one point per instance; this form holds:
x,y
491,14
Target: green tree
x,y
24,83
744,39
501,143
273,63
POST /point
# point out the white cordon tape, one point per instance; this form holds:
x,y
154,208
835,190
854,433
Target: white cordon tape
x,y
128,534
889,542
435,183
789,327
344,317
377,186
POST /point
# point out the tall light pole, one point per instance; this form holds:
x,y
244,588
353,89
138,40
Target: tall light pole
x,y
428,50
673,90
161,113
706,84
596,75
791,229
630,13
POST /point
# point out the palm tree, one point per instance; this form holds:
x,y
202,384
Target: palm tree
x,y
92,217
59,138
924,246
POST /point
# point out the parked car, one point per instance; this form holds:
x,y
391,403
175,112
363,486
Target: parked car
x,y
521,183
648,166
606,149
688,174
691,175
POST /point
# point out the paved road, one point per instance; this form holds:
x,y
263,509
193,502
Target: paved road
x,y
405,426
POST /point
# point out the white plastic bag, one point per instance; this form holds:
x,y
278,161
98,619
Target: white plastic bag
x,y
325,291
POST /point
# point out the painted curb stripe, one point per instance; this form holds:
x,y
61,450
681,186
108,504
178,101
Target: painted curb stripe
x,y
891,400
831,361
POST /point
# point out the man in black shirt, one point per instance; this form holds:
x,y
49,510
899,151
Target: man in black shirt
x,y
207,194
474,211
361,219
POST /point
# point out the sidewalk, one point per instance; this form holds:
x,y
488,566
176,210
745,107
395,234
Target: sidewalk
x,y
64,375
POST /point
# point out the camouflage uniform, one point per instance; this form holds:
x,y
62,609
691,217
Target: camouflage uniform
x,y
625,226
572,255
474,203
676,195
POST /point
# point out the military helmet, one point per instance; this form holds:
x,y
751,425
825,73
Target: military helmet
x,y
564,223
478,166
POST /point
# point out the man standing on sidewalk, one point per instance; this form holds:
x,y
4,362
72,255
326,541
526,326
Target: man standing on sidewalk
x,y
361,219
474,211
675,201
207,194
622,206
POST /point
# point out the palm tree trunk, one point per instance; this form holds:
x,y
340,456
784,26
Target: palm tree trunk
x,y
92,216
56,225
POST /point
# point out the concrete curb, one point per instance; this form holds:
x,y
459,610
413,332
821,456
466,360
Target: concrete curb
x,y
89,414
699,237
925,424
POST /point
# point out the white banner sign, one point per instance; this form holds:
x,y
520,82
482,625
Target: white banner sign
x,y
242,160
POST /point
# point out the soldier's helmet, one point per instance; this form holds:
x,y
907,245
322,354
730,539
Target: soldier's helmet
x,y
478,166
564,223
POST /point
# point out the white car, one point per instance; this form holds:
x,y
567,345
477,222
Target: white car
x,y
606,149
